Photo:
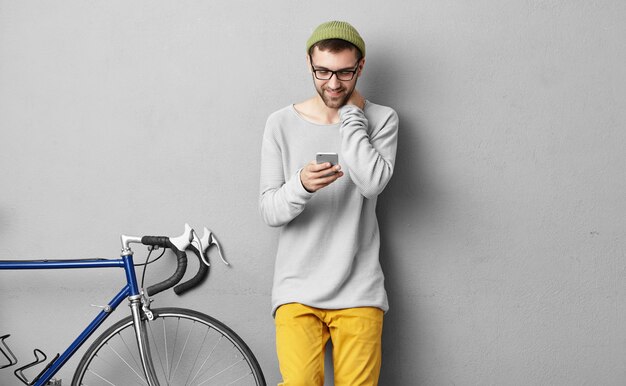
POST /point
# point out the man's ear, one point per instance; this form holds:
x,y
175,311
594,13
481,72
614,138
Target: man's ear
x,y
308,63
361,66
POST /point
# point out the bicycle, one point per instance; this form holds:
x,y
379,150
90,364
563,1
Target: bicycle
x,y
161,346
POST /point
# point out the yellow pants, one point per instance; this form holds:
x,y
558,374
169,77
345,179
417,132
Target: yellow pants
x,y
301,336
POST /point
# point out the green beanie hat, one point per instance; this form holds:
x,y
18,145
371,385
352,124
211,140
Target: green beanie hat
x,y
336,30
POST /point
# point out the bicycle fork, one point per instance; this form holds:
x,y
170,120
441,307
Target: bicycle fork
x,y
142,340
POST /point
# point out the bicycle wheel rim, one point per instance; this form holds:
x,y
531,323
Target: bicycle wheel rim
x,y
187,348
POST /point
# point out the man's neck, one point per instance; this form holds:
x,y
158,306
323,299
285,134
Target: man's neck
x,y
316,111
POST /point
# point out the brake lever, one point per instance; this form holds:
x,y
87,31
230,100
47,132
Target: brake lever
x,y
182,242
197,240
208,239
205,241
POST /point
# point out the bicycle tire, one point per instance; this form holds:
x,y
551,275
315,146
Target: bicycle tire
x,y
188,348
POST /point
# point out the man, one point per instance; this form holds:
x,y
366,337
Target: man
x,y
328,282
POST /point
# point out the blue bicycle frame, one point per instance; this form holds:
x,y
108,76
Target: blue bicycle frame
x,y
131,290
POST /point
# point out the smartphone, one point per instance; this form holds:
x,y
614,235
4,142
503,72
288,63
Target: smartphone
x,y
333,158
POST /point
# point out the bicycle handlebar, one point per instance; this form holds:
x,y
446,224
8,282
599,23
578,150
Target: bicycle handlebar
x,y
181,261
179,245
200,276
206,241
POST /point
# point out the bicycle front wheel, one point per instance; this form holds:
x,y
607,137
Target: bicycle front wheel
x,y
187,348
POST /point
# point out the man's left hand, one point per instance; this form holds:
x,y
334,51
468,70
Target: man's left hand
x,y
356,99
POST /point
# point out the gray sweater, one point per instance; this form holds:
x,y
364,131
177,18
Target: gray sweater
x,y
329,242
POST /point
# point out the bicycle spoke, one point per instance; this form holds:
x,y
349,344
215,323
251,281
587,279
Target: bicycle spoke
x,y
99,376
130,352
109,365
237,380
155,348
170,375
184,348
229,367
127,364
197,355
207,359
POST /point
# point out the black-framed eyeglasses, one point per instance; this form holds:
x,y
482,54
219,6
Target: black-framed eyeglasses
x,y
325,74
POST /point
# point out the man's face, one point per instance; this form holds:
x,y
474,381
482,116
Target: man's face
x,y
334,92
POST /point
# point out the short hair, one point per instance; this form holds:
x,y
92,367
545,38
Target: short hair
x,y
336,45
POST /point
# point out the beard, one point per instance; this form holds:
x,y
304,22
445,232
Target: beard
x,y
335,102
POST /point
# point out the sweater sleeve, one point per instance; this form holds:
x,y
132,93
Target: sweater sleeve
x,y
280,200
369,153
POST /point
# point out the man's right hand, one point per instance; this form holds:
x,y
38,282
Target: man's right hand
x,y
316,176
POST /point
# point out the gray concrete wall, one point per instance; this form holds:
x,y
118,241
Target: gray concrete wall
x,y
503,228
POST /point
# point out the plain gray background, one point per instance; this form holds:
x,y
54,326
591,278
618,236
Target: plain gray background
x,y
503,228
